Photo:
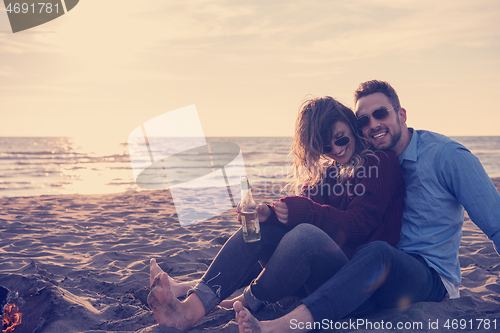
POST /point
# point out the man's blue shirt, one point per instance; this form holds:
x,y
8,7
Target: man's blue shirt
x,y
442,177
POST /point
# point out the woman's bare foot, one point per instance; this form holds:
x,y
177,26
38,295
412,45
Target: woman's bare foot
x,y
229,303
168,310
246,322
154,270
179,289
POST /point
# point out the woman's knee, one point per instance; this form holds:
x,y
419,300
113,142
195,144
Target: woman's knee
x,y
307,237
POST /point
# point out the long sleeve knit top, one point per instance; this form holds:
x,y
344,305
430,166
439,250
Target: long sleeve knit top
x,y
365,207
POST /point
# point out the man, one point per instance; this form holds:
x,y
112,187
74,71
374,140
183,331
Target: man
x,y
442,177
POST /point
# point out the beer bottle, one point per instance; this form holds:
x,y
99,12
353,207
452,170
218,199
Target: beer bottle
x,y
248,212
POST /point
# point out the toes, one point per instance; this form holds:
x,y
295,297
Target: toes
x,y
238,308
246,322
241,314
154,270
153,266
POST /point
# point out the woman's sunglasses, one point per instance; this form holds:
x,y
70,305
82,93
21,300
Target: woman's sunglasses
x,y
379,114
339,142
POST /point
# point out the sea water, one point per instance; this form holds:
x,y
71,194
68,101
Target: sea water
x,y
32,166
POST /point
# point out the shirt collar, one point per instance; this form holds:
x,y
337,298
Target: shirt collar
x,y
410,152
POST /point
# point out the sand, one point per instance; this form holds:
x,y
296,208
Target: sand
x,y
80,263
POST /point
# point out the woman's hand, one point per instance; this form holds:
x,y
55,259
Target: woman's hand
x,y
281,210
263,212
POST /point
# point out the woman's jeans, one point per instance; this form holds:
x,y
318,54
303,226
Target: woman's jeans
x,y
377,275
304,256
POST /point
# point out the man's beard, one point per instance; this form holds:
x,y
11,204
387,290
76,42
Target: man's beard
x,y
394,140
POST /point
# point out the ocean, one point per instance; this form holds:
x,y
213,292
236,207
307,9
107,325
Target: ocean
x,y
34,166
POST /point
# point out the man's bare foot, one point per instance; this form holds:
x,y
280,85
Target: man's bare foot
x,y
229,303
179,289
249,324
168,310
246,322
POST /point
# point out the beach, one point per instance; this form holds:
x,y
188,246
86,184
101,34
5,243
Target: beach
x,y
80,263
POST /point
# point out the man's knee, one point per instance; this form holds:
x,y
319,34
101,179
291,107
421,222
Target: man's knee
x,y
376,248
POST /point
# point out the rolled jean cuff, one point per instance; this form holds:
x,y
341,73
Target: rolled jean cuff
x,y
207,296
253,303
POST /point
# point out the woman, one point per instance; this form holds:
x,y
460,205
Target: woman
x,y
351,196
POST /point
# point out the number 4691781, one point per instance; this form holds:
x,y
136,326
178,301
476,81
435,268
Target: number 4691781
x,y
38,8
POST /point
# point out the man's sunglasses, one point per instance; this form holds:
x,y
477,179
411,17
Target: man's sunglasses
x,y
339,142
379,114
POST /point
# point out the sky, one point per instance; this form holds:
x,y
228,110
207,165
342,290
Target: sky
x,y
106,67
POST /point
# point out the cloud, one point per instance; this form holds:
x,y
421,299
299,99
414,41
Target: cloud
x,y
201,51
320,32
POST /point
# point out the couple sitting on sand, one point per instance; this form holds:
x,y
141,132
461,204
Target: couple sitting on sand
x,y
354,238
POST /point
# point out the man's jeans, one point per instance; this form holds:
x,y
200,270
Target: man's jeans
x,y
378,274
304,256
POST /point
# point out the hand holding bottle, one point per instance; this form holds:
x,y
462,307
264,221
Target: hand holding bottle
x,y
263,212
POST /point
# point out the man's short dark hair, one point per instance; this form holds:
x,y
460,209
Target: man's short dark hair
x,y
375,86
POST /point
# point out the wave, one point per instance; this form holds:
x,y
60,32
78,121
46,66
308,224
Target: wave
x,y
37,166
